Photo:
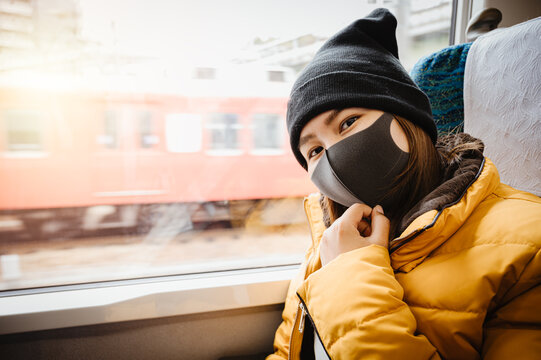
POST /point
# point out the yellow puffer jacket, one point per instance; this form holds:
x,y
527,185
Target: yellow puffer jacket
x,y
461,282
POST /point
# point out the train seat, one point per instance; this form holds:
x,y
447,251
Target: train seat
x,y
502,101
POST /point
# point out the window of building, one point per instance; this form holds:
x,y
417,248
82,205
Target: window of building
x,y
277,76
24,130
183,133
268,131
205,73
223,130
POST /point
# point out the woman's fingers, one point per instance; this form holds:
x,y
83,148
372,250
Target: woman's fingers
x,y
355,213
358,227
380,226
364,228
377,228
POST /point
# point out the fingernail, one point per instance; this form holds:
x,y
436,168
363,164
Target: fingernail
x,y
379,209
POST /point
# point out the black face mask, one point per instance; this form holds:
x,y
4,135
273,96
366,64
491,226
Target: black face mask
x,y
362,167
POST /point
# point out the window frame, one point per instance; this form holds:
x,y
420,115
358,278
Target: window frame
x,y
80,305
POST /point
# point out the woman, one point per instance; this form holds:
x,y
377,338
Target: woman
x,y
418,250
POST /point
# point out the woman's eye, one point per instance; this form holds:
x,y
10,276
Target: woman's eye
x,y
346,124
314,152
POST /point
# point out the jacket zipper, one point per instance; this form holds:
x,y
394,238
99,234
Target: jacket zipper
x,y
305,314
302,319
295,340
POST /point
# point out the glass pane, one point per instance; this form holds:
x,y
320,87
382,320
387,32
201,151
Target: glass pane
x,y
24,130
146,130
268,129
224,131
109,137
135,135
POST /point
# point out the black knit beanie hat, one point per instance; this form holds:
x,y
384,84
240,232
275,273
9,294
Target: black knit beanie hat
x,y
357,67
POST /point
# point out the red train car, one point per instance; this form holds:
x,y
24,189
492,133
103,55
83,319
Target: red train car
x,y
89,160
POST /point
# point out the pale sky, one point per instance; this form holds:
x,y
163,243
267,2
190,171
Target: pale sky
x,y
209,28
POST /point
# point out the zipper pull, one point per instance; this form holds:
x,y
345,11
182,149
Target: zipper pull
x,y
303,315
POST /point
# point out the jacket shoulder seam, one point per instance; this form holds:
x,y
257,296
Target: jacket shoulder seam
x,y
381,314
445,309
520,280
525,244
517,198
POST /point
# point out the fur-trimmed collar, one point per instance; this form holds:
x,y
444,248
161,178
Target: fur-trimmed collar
x,y
462,157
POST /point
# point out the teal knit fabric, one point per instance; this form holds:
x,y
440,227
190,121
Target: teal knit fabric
x,y
441,77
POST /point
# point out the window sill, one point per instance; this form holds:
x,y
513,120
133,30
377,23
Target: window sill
x,y
189,294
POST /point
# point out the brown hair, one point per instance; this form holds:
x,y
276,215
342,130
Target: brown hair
x,y
422,174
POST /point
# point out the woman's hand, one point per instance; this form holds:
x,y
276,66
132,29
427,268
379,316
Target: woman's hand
x,y
352,231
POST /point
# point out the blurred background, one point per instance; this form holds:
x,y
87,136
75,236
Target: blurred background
x,y
147,138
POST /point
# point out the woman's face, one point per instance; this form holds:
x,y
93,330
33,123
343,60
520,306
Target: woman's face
x,y
328,128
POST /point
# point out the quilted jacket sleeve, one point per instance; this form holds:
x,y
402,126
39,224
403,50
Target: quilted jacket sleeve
x,y
514,330
357,307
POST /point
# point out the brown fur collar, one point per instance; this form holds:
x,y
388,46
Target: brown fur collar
x,y
462,157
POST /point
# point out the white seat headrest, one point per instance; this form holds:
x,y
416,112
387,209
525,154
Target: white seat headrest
x,y
502,101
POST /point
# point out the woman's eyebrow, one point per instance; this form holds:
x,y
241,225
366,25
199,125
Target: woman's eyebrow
x,y
329,119
304,139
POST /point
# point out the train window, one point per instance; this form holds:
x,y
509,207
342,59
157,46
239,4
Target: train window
x,y
223,131
268,131
147,137
183,133
109,136
126,75
24,130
